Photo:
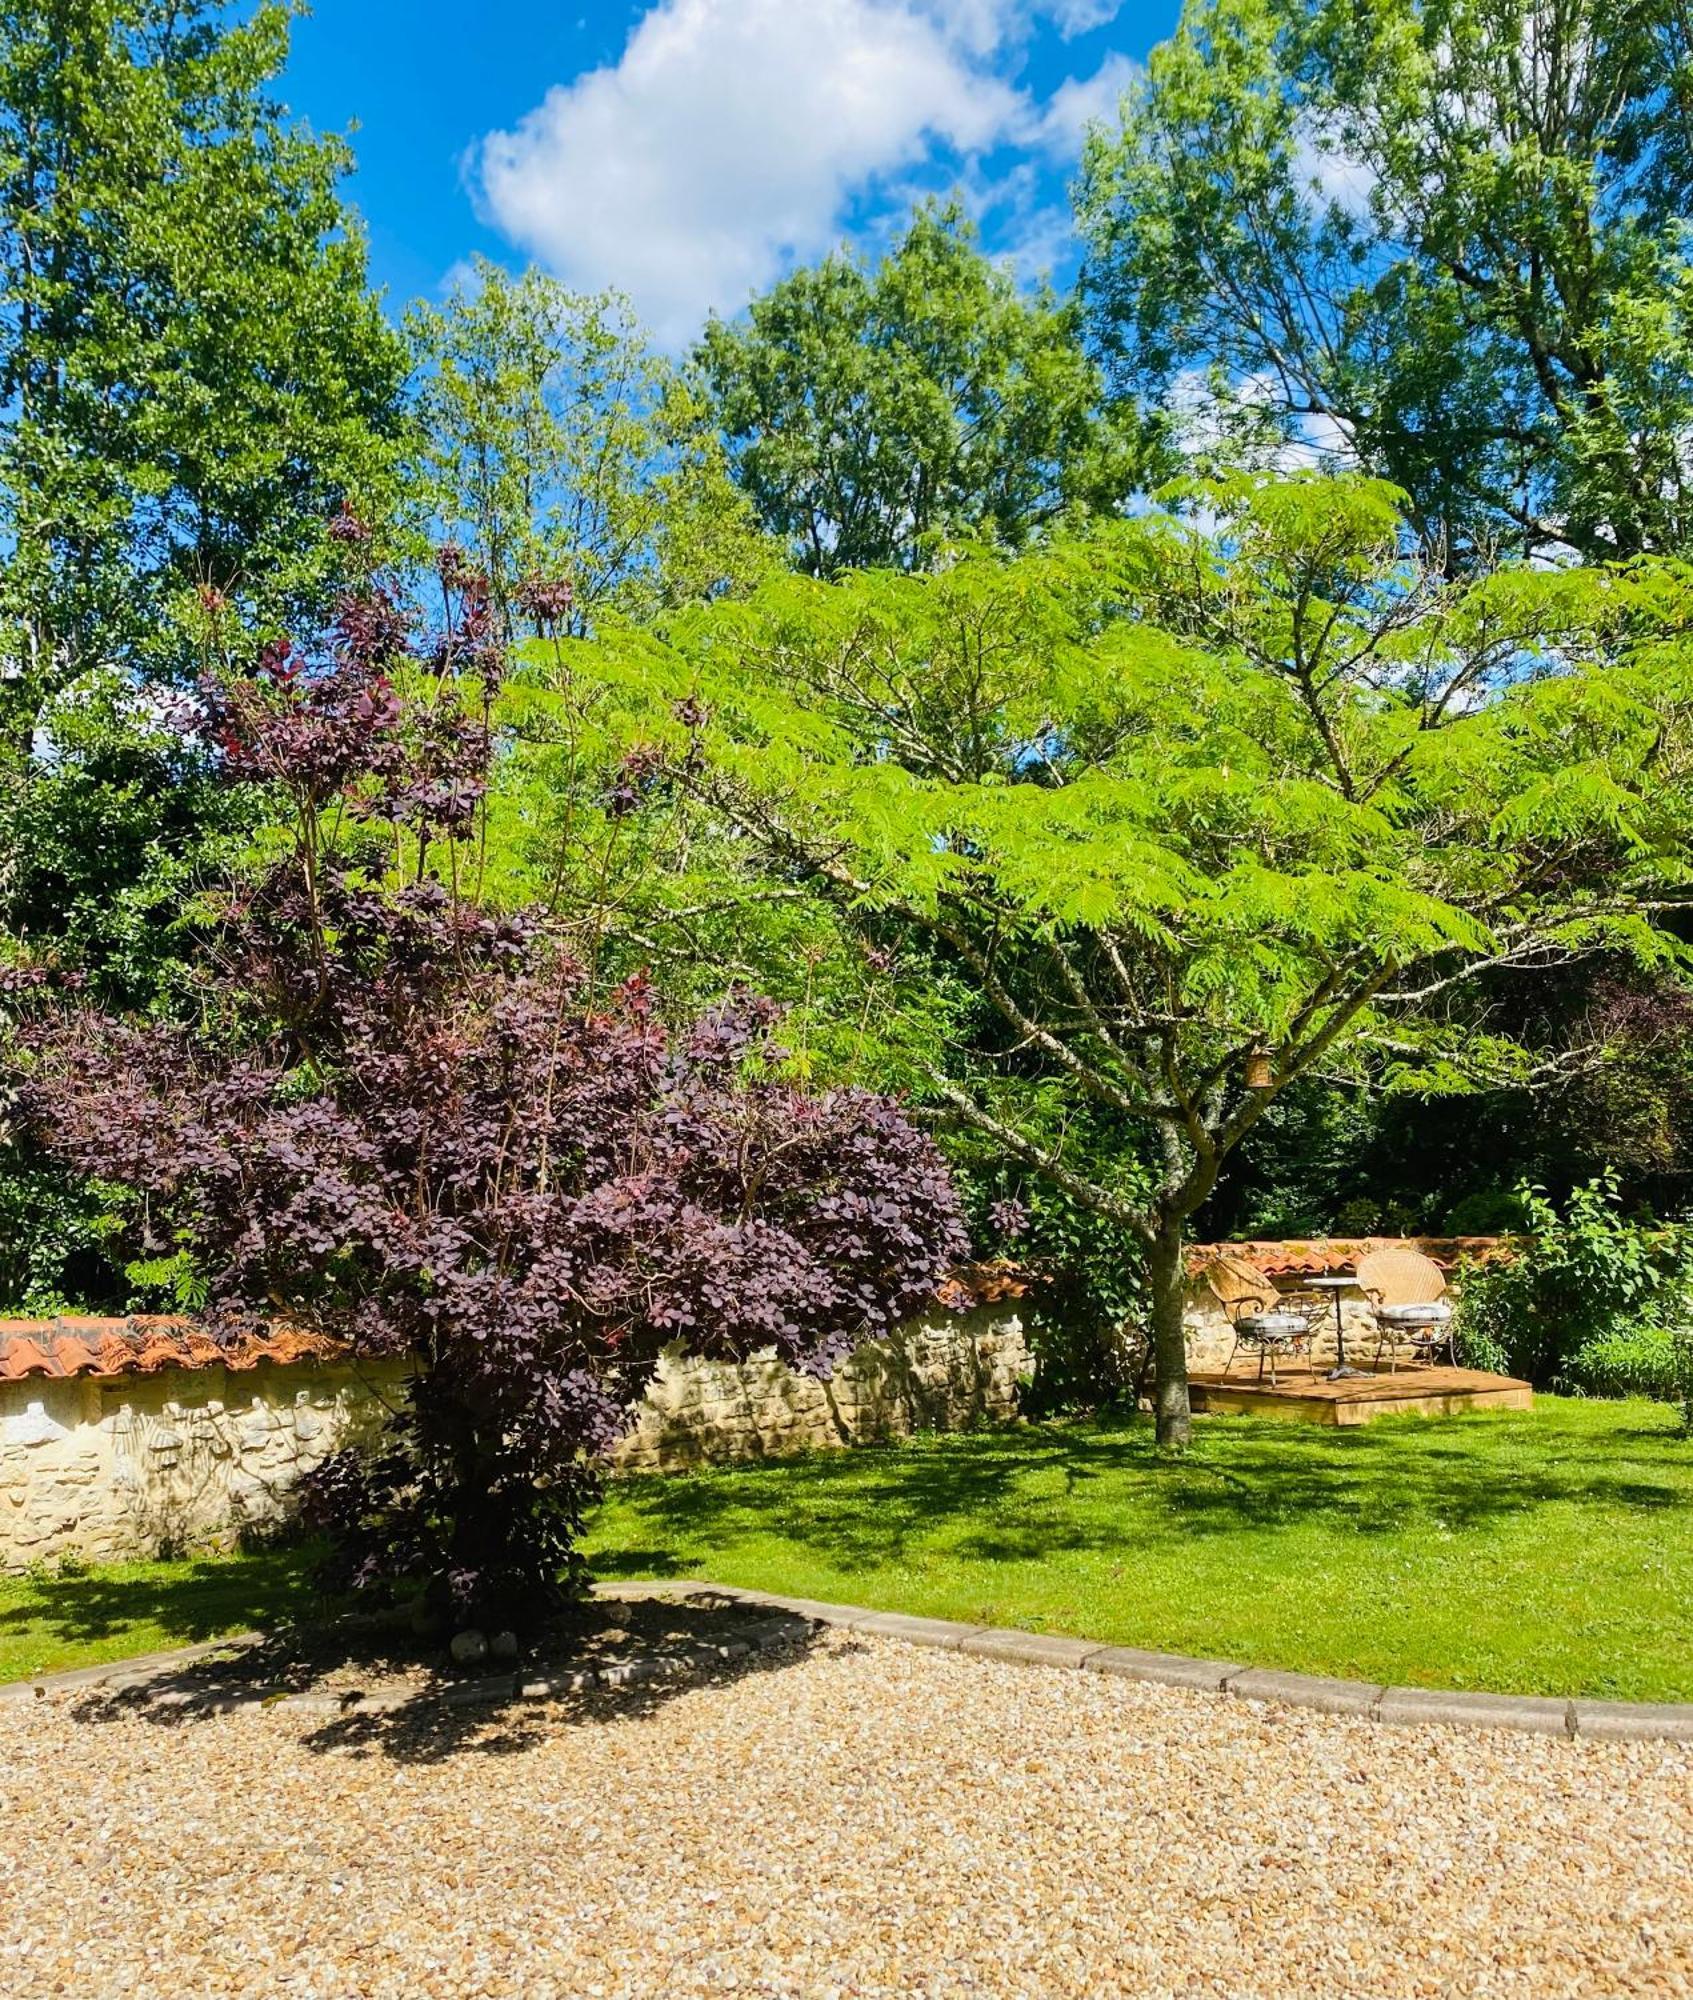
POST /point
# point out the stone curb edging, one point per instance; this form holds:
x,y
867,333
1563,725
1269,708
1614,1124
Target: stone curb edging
x,y
122,1673
1638,1721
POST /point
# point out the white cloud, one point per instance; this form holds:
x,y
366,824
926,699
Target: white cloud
x,y
986,25
1219,417
463,274
1079,102
981,26
1333,176
730,136
1076,17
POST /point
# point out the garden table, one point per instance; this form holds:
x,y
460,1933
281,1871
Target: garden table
x,y
1337,1283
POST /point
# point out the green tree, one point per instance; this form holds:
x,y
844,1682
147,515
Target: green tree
x,y
559,445
1189,812
108,846
1448,239
193,374
873,414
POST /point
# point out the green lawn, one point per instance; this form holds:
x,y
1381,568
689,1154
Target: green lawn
x,y
1543,1552
82,1618
1550,1552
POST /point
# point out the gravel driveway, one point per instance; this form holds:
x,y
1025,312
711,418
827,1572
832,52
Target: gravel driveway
x,y
863,1818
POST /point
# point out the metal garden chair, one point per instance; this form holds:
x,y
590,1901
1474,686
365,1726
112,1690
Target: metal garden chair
x,y
1258,1314
1407,1295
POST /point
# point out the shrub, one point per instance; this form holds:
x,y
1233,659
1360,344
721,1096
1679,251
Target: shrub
x,y
1590,1301
1086,1308
1648,1360
412,1125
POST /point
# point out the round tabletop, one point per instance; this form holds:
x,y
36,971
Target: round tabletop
x,y
1332,1283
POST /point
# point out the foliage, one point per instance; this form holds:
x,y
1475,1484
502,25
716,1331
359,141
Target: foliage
x,y
874,415
559,446
58,1239
195,375
1543,1552
109,837
1645,1360
1633,1106
398,1119
1590,1299
1177,794
1448,240
1085,1309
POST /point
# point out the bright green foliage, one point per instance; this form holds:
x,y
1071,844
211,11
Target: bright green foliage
x,y
874,415
193,376
1304,813
559,445
1449,236
1543,1552
671,890
59,1238
107,846
107,842
1592,1300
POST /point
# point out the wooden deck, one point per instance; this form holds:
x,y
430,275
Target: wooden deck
x,y
1306,1396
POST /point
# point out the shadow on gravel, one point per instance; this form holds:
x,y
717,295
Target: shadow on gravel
x,y
366,1690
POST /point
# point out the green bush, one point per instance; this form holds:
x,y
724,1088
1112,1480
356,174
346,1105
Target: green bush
x,y
1591,1300
58,1240
1640,1361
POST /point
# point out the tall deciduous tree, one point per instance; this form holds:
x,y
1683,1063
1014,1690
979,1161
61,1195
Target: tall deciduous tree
x,y
193,374
1195,811
1448,238
873,414
559,445
407,1122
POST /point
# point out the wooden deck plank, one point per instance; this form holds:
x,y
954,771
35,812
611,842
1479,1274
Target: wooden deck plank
x,y
1303,1395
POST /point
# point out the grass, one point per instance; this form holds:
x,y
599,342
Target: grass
x,y
1546,1552
74,1617
1549,1552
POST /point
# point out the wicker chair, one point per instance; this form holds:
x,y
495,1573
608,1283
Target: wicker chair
x,y
1407,1296
1257,1313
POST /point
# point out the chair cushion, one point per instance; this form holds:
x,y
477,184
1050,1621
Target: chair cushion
x,y
1433,1312
1272,1326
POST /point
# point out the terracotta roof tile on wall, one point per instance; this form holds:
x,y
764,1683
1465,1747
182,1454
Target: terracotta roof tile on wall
x,y
142,1346
982,1285
1311,1256
147,1343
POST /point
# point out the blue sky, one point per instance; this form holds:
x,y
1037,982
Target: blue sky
x,y
690,151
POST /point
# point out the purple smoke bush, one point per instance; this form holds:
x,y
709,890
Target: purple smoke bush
x,y
404,1121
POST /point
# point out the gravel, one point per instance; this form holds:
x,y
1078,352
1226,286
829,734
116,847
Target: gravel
x,y
851,1818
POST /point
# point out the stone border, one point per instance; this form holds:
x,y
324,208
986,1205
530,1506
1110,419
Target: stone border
x,y
1634,1721
1638,1721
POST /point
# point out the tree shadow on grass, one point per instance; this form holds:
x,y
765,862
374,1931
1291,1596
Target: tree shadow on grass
x,y
363,1690
1046,1490
187,1602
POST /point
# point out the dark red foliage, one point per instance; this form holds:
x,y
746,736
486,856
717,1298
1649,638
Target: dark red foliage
x,y
313,727
399,1120
1008,1218
346,527
545,599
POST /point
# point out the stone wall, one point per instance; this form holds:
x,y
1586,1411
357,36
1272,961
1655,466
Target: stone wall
x,y
108,1468
947,1372
115,1467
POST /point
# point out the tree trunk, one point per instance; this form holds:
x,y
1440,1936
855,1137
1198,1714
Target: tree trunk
x,y
1169,1337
